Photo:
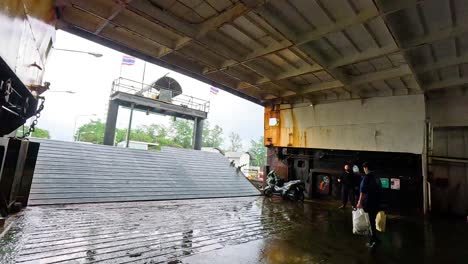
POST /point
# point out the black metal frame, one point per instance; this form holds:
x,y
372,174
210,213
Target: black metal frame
x,y
17,104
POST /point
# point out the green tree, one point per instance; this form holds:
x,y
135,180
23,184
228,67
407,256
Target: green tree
x,y
142,134
38,132
258,152
92,132
120,135
212,138
182,133
179,134
235,141
154,133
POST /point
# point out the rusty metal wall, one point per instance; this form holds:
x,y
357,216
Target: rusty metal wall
x,y
449,179
447,113
27,32
68,172
392,124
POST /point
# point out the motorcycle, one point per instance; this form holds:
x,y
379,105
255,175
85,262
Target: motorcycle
x,y
292,190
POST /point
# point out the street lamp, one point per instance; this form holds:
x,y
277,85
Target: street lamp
x,y
76,120
97,55
68,92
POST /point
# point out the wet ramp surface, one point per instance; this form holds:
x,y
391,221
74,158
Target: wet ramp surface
x,y
228,230
134,232
68,172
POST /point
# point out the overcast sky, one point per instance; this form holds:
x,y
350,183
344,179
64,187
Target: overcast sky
x,y
91,78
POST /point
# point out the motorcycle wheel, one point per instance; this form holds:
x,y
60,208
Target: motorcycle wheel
x,y
291,195
267,192
300,196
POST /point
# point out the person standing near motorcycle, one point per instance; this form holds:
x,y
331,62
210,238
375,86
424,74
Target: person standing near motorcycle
x,y
369,199
348,182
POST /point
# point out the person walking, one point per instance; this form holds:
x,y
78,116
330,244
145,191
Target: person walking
x,y
369,199
348,181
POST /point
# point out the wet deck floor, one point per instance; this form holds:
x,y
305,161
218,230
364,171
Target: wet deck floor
x,y
234,230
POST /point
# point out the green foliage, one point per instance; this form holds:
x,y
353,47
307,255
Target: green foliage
x,y
92,132
235,141
212,138
120,135
179,134
38,132
258,152
182,132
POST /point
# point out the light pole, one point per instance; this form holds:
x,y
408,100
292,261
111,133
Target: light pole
x,y
68,92
76,120
97,55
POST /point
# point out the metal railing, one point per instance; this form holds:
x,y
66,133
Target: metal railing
x,y
128,86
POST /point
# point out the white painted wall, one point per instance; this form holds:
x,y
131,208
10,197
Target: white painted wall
x,y
239,159
394,124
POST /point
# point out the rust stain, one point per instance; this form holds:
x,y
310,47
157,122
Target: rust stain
x,y
305,138
295,134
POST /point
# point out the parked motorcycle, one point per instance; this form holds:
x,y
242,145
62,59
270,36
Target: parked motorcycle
x,y
292,190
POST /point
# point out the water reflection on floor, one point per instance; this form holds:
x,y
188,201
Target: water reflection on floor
x,y
235,230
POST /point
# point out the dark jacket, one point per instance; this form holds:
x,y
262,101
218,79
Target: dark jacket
x,y
348,180
372,187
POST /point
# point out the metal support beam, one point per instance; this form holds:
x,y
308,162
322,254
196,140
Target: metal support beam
x,y
320,87
366,55
294,72
339,25
442,64
129,129
396,5
402,70
435,36
116,11
424,169
111,122
446,83
197,133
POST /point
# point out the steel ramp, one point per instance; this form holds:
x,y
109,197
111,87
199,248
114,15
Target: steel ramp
x,y
69,172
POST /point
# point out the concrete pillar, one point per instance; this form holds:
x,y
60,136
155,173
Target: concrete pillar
x,y
197,133
194,132
111,122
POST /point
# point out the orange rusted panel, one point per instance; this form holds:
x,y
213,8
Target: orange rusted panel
x,y
272,132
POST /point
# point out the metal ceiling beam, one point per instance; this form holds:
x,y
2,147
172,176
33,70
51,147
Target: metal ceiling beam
x,y
400,45
119,8
366,55
435,36
191,32
215,22
254,54
339,25
446,62
148,10
79,11
391,6
311,88
446,83
402,70
296,72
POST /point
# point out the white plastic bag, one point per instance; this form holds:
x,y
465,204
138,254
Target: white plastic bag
x,y
361,224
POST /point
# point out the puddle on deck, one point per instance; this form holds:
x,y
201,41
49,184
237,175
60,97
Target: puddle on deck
x,y
232,230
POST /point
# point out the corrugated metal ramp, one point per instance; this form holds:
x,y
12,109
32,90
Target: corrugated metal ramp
x,y
68,172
